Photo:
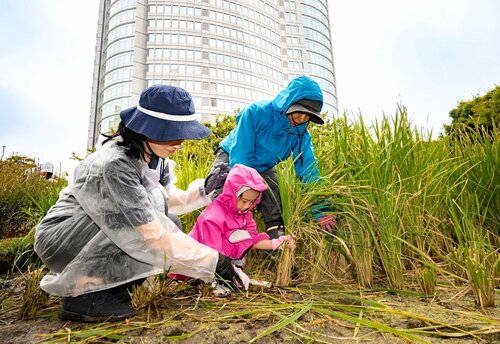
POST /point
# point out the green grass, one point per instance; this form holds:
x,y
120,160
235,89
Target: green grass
x,y
24,198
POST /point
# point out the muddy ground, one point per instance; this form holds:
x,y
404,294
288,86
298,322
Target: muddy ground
x,y
190,314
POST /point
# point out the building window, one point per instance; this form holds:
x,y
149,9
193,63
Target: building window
x,y
118,61
120,32
117,6
290,16
122,17
122,45
118,75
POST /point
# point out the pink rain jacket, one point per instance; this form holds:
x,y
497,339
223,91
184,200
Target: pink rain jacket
x,y
216,225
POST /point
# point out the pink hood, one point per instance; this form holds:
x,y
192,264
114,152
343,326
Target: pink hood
x,y
238,177
221,218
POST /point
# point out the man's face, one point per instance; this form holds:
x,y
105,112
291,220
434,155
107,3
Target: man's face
x,y
297,118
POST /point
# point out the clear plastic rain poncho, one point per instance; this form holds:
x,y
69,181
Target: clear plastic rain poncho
x,y
109,227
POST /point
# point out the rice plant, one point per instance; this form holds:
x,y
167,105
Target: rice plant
x,y
417,220
400,186
33,298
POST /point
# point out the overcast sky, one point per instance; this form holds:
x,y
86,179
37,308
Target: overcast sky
x,y
426,54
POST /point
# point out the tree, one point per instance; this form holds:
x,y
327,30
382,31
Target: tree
x,y
481,112
19,161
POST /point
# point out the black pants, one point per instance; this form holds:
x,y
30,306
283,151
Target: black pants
x,y
175,219
270,204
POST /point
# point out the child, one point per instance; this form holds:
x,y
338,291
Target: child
x,y
227,225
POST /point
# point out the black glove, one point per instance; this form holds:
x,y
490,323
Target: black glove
x,y
275,232
225,271
216,177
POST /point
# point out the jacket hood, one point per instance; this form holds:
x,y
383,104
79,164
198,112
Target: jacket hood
x,y
239,176
299,88
263,135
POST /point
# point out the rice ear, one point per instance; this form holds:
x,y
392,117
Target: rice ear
x,y
284,273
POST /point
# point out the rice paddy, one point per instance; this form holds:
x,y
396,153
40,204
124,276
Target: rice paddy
x,y
415,257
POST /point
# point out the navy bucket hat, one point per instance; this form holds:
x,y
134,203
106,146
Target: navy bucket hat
x,y
165,113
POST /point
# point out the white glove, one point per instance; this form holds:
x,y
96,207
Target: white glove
x,y
277,243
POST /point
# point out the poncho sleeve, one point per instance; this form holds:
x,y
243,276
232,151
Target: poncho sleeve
x,y
119,204
123,237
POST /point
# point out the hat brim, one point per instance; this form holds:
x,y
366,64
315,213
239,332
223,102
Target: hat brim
x,y
313,116
160,129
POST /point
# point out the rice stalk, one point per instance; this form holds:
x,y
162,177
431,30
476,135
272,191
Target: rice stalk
x,y
33,298
151,295
284,275
372,324
481,269
294,203
283,323
475,254
94,333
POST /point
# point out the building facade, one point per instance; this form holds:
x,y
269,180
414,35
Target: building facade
x,y
225,53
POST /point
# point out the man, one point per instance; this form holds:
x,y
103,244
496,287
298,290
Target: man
x,y
267,133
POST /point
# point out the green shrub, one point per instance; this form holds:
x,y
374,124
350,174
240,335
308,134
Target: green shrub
x,y
25,196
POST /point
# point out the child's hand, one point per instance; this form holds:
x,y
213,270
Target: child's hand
x,y
277,243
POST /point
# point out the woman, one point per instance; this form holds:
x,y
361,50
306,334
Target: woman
x,y
109,227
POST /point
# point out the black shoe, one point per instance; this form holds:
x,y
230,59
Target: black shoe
x,y
95,307
123,292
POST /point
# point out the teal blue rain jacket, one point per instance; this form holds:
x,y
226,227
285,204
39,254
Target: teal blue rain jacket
x,y
263,135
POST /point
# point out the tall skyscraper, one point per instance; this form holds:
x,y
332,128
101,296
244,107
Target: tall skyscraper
x,y
226,53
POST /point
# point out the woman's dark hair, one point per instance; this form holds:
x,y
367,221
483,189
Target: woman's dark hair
x,y
132,141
